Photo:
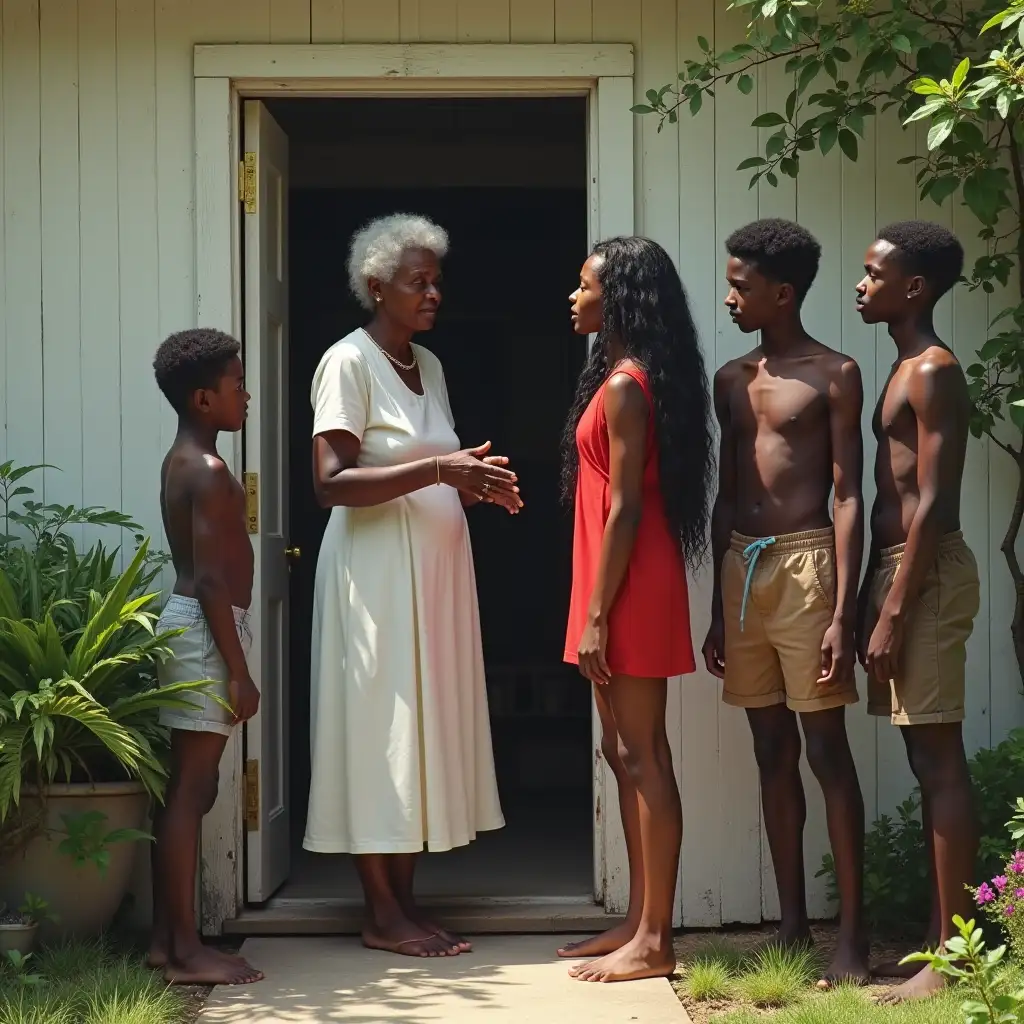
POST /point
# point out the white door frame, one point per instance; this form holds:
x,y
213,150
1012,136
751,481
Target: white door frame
x,y
223,74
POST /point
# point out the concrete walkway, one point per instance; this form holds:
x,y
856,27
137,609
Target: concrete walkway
x,y
516,979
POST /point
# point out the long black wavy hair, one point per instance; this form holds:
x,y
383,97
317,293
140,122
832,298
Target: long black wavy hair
x,y
644,305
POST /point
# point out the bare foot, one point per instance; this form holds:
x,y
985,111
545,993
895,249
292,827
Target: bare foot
x,y
896,969
157,957
453,940
406,938
849,966
925,984
210,967
599,945
641,957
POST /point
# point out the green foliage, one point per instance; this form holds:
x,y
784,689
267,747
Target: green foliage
x,y
87,841
897,890
1016,824
959,67
778,976
34,909
965,959
78,655
17,963
88,983
706,980
40,558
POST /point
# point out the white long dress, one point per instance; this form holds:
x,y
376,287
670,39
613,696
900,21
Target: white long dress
x,y
401,743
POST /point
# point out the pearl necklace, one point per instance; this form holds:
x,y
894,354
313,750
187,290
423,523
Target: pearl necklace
x,y
397,362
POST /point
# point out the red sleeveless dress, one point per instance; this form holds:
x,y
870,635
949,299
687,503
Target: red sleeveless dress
x,y
649,624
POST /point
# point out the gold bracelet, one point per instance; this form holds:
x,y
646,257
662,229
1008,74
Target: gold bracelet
x,y
437,463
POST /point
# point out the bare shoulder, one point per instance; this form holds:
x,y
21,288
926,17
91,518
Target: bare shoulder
x,y
843,374
624,389
729,373
209,476
624,399
935,376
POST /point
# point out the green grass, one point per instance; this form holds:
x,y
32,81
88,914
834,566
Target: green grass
x,y
778,977
850,1005
706,980
776,986
88,983
709,974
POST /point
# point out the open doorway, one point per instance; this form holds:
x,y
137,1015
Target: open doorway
x,y
507,178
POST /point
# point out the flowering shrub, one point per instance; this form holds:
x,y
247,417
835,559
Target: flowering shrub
x,y
1001,900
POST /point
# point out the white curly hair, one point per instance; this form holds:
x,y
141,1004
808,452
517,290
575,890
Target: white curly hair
x,y
377,248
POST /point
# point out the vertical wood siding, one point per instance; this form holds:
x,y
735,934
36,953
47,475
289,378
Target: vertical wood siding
x,y
97,264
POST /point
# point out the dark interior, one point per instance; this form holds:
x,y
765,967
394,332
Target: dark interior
x,y
511,361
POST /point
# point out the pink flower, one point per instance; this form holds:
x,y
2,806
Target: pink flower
x,y
1019,894
1017,864
999,882
984,894
1009,911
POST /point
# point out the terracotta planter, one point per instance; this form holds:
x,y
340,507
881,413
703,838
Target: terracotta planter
x,y
21,937
83,900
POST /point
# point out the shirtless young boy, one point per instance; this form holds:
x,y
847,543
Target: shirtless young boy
x,y
200,373
921,590
785,583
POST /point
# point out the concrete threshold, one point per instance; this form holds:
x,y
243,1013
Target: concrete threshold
x,y
480,916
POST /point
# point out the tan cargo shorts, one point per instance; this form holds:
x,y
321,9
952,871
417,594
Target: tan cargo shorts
x,y
778,599
931,675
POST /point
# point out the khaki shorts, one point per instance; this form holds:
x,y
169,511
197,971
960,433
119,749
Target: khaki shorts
x,y
930,681
194,656
773,645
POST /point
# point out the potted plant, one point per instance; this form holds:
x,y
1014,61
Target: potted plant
x,y
18,927
81,749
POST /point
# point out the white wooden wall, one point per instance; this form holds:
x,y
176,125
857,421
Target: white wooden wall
x,y
97,265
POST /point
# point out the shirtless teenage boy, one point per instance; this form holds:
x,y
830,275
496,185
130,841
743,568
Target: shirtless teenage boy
x,y
785,582
203,506
921,590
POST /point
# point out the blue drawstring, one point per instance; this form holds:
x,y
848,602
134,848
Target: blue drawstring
x,y
751,553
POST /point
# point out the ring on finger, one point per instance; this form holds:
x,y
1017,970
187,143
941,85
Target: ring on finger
x,y
487,487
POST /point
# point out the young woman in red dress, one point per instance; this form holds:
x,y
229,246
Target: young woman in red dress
x,y
639,469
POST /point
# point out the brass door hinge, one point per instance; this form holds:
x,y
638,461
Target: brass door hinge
x,y
252,795
252,502
247,182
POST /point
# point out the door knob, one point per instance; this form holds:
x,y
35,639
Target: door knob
x,y
293,553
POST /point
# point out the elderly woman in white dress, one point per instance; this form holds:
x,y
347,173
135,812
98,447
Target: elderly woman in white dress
x,y
401,744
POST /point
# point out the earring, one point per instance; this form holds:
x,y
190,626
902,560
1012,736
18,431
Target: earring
x,y
377,297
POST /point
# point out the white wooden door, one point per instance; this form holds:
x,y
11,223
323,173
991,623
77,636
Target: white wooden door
x,y
265,230
610,169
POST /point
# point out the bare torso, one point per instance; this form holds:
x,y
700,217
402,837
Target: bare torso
x,y
895,428
779,416
183,470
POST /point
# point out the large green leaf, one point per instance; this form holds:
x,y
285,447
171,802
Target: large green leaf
x,y
88,647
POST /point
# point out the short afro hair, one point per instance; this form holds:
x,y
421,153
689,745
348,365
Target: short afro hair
x,y
927,249
376,249
190,360
781,250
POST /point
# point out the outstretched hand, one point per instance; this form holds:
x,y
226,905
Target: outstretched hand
x,y
512,503
482,476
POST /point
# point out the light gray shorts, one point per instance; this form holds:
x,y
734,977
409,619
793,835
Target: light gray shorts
x,y
194,656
